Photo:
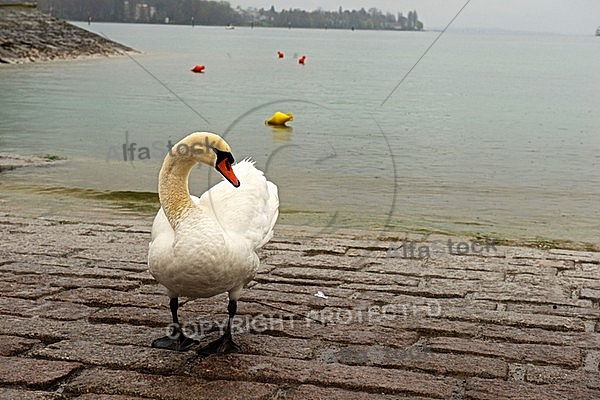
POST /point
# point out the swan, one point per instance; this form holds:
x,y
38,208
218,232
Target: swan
x,y
205,246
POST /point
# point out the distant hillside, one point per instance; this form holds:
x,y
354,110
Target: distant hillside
x,y
187,12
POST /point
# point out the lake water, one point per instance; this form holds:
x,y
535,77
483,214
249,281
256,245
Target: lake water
x,y
490,134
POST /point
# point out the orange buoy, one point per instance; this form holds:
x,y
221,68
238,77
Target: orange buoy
x,y
198,68
279,54
301,60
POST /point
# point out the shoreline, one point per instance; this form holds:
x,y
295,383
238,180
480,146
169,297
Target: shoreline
x,y
35,200
12,161
29,36
98,206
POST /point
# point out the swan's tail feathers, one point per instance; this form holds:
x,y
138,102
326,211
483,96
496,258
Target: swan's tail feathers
x,y
272,213
249,211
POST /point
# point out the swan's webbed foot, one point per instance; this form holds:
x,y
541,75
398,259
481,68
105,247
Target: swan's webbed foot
x,y
176,341
225,343
222,345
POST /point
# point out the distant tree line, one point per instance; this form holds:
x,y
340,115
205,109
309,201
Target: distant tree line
x,y
148,11
200,12
340,19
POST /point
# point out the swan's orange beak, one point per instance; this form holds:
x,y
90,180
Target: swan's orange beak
x,y
224,167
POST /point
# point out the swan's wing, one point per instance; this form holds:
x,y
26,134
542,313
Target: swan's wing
x,y
161,225
249,211
160,251
273,207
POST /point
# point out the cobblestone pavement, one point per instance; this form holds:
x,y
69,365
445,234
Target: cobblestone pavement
x,y
78,311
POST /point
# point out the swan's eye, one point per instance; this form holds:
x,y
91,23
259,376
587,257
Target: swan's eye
x,y
223,156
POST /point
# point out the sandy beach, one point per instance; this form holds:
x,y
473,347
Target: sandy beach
x,y
79,311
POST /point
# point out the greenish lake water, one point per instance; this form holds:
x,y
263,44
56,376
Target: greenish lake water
x,y
491,134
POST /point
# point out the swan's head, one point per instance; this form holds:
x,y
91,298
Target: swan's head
x,y
210,149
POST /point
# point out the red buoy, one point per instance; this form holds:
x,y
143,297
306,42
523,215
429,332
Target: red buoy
x,y
301,60
198,68
279,54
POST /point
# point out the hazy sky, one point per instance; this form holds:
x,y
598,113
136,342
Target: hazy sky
x,y
560,16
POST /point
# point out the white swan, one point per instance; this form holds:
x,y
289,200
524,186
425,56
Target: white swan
x,y
205,246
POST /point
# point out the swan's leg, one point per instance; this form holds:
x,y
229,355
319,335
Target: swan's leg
x,y
176,340
225,343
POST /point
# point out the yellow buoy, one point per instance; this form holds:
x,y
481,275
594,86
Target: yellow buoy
x,y
279,118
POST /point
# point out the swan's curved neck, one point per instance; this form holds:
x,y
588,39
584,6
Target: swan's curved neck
x,y
173,187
